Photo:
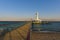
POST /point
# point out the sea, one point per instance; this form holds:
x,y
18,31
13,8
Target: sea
x,y
10,25
51,26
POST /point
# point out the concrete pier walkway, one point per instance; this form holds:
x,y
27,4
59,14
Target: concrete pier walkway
x,y
17,34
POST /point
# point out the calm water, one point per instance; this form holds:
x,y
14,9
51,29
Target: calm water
x,y
10,25
52,26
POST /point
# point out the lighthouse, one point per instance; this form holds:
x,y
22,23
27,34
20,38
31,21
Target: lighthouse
x,y
37,19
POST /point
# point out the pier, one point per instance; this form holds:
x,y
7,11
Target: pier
x,y
20,33
24,33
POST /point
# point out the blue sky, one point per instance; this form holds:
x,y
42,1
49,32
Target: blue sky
x,y
27,8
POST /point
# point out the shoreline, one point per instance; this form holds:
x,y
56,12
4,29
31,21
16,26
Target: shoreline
x,y
45,35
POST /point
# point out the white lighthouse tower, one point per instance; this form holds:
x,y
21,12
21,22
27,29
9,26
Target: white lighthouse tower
x,y
37,19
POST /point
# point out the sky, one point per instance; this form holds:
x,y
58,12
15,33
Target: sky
x,y
20,9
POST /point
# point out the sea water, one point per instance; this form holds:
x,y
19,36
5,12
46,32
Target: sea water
x,y
4,25
51,26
